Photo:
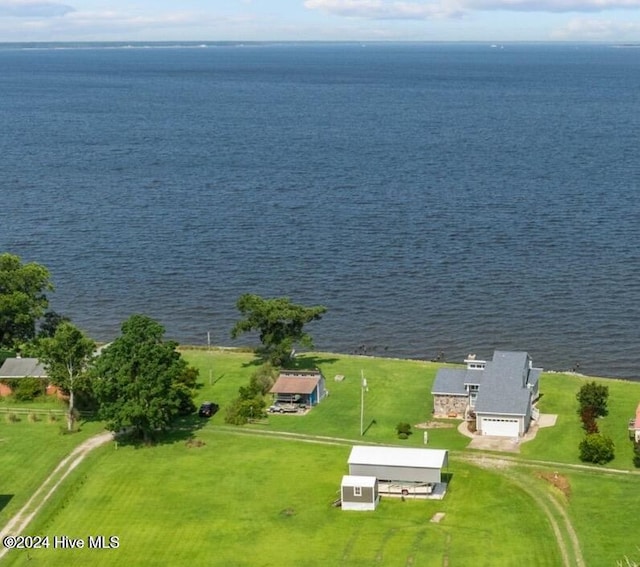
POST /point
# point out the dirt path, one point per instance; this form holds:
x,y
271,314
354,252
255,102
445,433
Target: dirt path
x,y
16,525
563,530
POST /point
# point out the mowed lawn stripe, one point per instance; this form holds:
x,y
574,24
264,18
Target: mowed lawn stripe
x,y
255,501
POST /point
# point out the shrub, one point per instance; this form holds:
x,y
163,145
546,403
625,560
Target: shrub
x,y
403,430
593,395
12,418
636,454
588,417
242,410
33,417
25,389
596,448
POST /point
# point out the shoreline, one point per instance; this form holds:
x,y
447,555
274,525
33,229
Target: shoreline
x,y
250,350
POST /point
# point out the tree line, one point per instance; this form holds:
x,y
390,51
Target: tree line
x,y
139,382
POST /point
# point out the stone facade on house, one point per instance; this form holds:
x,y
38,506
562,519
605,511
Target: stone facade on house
x,y
450,405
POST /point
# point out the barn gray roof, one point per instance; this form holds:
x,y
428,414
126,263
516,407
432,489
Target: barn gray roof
x,y
398,457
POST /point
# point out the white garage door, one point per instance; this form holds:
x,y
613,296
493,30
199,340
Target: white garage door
x,y
500,427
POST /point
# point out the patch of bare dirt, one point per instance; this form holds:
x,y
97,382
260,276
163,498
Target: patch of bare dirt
x,y
434,425
559,481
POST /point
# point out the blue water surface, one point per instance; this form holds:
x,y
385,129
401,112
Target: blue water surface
x,y
437,198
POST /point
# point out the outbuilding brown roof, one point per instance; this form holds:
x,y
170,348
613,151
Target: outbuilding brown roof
x,y
295,385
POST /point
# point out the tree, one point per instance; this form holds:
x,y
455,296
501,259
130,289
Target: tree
x,y
22,299
279,322
595,396
67,356
242,410
140,379
596,448
50,322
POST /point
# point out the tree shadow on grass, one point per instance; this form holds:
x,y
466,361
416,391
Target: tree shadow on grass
x,y
183,430
4,500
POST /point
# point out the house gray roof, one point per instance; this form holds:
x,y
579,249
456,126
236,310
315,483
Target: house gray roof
x,y
507,384
450,381
22,368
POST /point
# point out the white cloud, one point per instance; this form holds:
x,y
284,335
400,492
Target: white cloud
x,y
597,30
383,10
390,9
33,9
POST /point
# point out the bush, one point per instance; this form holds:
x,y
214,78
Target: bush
x,y
12,418
33,418
595,396
403,430
636,455
588,417
25,389
596,448
243,410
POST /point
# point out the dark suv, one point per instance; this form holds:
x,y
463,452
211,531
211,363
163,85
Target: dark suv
x,y
208,409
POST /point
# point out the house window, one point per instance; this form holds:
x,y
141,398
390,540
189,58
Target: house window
x,y
357,491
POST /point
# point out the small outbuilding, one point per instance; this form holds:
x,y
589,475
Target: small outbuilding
x,y
359,492
301,387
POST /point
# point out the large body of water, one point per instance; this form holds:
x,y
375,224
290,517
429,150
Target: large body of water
x,y
437,198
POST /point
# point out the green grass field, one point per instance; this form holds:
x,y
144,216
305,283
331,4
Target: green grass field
x,y
245,498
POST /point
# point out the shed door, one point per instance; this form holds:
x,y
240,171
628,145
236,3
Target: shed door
x,y
500,427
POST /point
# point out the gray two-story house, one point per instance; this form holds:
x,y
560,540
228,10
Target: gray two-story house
x,y
500,392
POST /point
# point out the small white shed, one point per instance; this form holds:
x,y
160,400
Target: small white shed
x,y
359,492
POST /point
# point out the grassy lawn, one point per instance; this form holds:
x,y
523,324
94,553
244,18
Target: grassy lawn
x,y
251,500
29,451
560,443
400,390
213,505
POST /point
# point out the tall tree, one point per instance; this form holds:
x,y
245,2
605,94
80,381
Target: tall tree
x,y
50,322
279,322
23,299
67,356
139,379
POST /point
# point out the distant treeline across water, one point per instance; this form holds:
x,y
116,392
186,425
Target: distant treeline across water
x,y
439,199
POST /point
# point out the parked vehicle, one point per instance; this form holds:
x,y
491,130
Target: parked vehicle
x,y
278,408
208,409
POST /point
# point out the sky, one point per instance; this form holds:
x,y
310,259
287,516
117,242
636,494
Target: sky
x,y
616,21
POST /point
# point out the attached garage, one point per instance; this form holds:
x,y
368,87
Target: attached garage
x,y
500,426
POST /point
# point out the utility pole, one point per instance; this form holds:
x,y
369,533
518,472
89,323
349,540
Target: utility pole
x,y
363,385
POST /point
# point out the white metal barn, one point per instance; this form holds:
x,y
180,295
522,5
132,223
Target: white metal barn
x,y
397,464
359,492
